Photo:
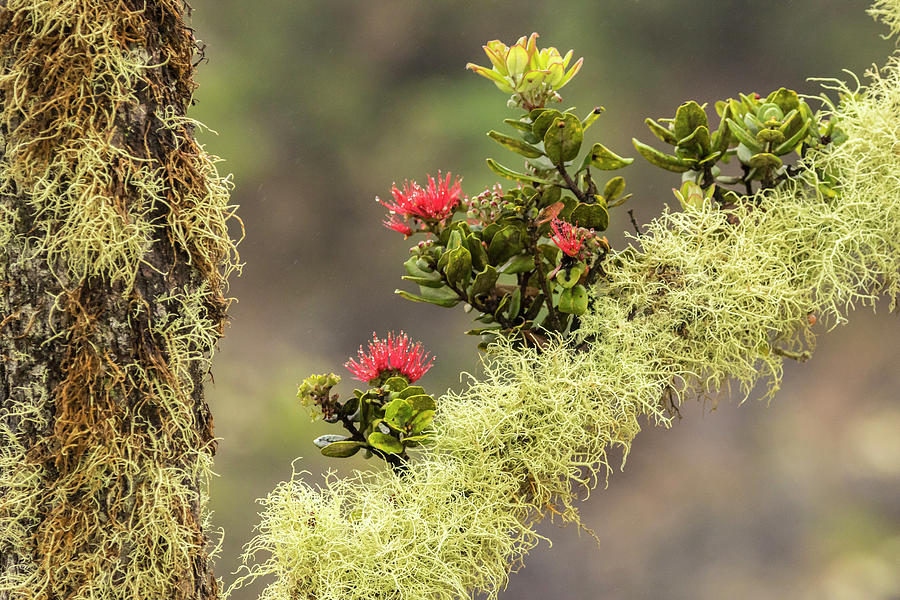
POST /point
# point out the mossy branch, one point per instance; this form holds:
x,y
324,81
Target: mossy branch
x,y
701,305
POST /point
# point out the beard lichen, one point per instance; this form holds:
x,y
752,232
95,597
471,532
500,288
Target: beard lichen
x,y
708,301
116,252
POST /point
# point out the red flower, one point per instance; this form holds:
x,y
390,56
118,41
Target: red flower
x,y
395,355
435,202
567,238
392,222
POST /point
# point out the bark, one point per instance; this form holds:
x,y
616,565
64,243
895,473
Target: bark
x,y
111,301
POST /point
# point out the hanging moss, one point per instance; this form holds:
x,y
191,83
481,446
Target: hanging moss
x,y
114,240
707,303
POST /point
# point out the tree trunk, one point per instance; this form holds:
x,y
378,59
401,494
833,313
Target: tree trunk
x,y
114,254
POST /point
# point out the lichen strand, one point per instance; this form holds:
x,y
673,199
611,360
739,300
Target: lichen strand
x,y
705,303
887,11
115,259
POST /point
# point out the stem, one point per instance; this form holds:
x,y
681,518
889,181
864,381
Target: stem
x,y
582,197
542,277
633,222
592,187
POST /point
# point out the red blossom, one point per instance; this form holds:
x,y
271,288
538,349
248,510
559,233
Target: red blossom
x,y
395,355
567,238
437,201
393,222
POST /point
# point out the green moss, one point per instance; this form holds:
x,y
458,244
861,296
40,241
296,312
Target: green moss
x,y
704,305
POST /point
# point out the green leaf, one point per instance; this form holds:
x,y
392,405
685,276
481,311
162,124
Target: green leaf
x,y
743,136
421,422
449,300
324,440
614,188
787,100
592,116
478,252
410,391
414,440
752,123
349,407
385,442
515,304
549,195
520,125
520,263
413,267
592,216
505,243
421,402
453,242
425,281
498,79
459,267
700,139
764,160
501,306
398,412
543,120
563,138
791,143
396,384
605,159
769,110
769,136
342,449
664,161
574,300
517,146
484,282
568,278
688,118
744,154
721,139
663,133
551,253
514,175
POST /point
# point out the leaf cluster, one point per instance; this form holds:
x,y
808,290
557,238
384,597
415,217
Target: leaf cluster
x,y
385,420
760,132
501,261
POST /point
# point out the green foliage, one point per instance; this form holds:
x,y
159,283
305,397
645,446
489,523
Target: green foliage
x,y
530,74
759,131
498,261
384,420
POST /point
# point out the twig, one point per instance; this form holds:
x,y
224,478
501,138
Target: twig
x,y
634,223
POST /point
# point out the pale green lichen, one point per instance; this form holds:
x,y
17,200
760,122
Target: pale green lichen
x,y
705,303
888,11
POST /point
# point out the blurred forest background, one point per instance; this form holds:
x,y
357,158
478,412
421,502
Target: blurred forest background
x,y
321,104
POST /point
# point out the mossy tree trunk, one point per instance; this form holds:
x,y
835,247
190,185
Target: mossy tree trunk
x,y
114,254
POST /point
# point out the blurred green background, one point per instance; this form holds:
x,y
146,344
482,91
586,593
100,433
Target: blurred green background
x,y
321,104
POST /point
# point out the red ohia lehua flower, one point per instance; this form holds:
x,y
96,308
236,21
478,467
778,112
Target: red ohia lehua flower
x,y
567,238
393,222
435,202
395,355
